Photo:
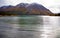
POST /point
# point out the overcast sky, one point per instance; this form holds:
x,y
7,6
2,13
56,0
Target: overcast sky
x,y
53,5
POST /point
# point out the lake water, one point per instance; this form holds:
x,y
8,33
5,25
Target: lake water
x,y
29,27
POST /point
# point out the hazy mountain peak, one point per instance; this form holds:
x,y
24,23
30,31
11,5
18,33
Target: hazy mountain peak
x,y
36,6
4,7
22,4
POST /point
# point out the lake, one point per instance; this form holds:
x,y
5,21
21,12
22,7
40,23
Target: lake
x,y
29,27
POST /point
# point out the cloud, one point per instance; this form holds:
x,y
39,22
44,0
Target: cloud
x,y
2,3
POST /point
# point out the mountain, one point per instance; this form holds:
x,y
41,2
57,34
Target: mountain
x,y
22,5
38,9
36,6
25,8
4,8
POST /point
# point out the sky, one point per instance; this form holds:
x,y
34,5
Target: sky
x,y
52,5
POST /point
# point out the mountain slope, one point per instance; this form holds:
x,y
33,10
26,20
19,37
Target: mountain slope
x,y
25,8
38,9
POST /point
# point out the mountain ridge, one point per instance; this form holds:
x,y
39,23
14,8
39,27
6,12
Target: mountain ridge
x,y
25,8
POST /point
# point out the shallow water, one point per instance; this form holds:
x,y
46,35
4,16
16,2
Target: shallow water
x,y
29,27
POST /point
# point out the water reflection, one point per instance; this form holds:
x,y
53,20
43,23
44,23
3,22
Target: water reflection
x,y
29,27
30,22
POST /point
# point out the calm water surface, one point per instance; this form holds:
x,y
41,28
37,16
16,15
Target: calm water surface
x,y
29,27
